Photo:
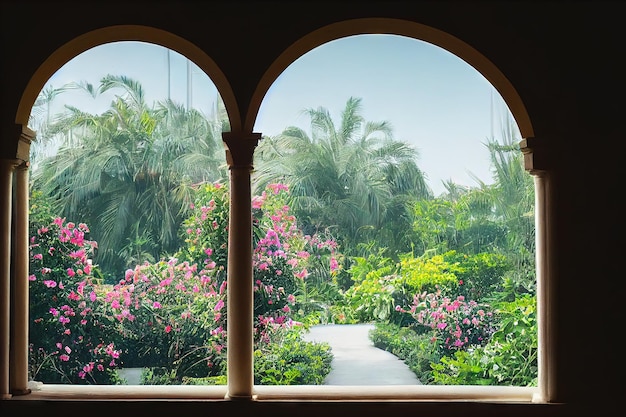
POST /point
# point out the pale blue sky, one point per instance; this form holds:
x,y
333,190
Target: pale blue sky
x,y
433,100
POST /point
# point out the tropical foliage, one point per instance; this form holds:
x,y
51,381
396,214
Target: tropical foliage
x,y
129,171
170,316
345,230
350,177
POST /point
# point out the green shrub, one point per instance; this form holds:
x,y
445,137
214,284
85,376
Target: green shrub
x,y
292,361
479,276
416,350
509,358
383,288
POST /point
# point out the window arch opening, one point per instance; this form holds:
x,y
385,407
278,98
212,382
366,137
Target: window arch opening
x,y
402,164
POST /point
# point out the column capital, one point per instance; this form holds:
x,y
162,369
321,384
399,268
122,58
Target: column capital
x,y
10,164
240,148
535,155
27,136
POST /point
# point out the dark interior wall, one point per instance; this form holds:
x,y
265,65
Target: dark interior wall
x,y
563,58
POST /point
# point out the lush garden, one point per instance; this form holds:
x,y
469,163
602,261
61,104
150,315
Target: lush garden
x,y
129,252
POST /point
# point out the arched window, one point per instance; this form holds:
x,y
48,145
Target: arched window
x,y
240,304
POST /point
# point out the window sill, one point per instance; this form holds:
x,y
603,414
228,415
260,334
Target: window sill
x,y
401,393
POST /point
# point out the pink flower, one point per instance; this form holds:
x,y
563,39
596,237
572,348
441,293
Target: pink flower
x,y
128,274
277,187
168,328
333,264
70,272
302,274
64,358
257,202
38,256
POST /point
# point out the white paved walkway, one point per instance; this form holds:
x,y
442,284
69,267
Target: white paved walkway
x,y
356,360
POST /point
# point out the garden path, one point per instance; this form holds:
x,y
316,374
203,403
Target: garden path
x,y
356,360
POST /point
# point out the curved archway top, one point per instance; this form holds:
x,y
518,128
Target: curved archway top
x,y
400,27
110,34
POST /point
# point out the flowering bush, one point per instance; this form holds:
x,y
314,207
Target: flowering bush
x,y
206,229
457,324
69,332
284,259
171,316
510,356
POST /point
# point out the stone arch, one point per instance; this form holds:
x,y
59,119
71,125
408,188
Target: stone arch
x,y
148,34
393,27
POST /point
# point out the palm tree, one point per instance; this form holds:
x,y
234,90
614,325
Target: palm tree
x,y
514,198
41,118
353,178
508,206
129,171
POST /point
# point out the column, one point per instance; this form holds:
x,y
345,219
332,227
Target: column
x,y
536,162
6,186
541,288
19,285
240,366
